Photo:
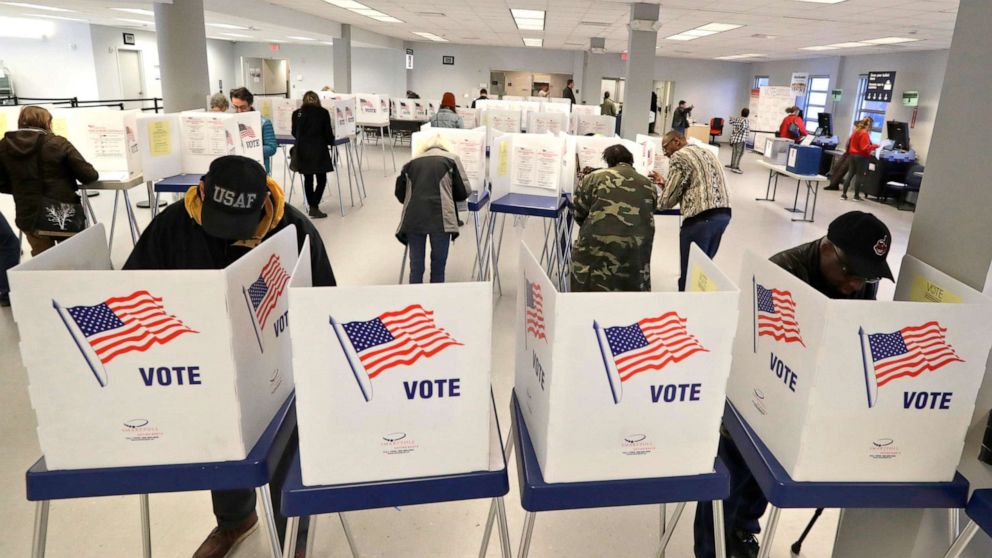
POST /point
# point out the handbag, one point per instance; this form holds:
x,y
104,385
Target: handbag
x,y
794,130
55,217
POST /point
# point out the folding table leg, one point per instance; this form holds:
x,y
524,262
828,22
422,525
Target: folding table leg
x,y
766,541
676,515
488,530
962,541
131,219
953,525
504,529
526,535
662,524
146,527
719,529
113,221
312,536
40,529
347,535
270,519
292,532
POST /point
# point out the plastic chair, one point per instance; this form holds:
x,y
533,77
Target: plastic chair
x,y
716,129
912,182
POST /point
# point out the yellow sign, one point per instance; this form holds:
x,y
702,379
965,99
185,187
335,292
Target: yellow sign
x,y
925,290
159,138
60,127
266,108
700,282
504,158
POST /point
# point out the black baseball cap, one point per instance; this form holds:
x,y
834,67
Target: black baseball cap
x,y
234,192
865,241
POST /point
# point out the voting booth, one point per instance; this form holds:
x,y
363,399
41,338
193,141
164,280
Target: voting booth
x,y
595,124
544,122
624,385
583,110
129,368
532,164
171,144
860,391
589,150
653,154
520,105
343,118
393,382
282,114
106,138
469,145
373,110
470,117
498,122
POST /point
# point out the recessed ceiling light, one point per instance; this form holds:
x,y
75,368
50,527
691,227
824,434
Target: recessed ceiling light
x,y
136,21
527,14
299,38
227,26
528,20
533,42
820,48
739,56
430,36
368,12
703,31
849,45
719,27
346,4
681,37
36,7
329,43
136,11
889,41
238,35
388,19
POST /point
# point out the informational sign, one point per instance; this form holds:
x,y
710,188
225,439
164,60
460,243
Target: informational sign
x,y
499,122
128,38
880,86
132,347
544,122
392,381
768,108
205,136
105,138
799,83
282,114
860,391
159,145
469,145
470,117
597,125
448,60
651,367
837,95
911,98
528,164
409,60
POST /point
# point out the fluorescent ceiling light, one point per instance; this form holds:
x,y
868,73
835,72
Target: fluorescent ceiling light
x,y
46,16
824,47
299,38
703,31
227,26
16,28
698,33
528,20
527,14
137,11
719,27
238,35
388,19
533,42
347,4
136,21
430,36
368,12
329,43
36,7
681,37
849,45
889,41
277,41
823,1
740,56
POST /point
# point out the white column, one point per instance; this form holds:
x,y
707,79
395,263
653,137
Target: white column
x,y
641,45
182,54
342,60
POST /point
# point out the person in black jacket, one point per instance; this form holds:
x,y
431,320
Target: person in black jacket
x,y
429,186
848,263
483,96
235,208
310,156
569,91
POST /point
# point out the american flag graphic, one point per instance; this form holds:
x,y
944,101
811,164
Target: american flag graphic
x,y
264,293
651,344
777,315
397,338
535,311
246,131
911,351
124,324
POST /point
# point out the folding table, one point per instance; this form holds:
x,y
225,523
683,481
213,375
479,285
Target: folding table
x,y
177,184
783,492
255,471
119,185
812,182
557,228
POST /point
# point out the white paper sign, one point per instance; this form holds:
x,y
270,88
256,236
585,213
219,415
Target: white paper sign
x,y
598,125
282,115
206,136
160,145
544,122
527,164
469,145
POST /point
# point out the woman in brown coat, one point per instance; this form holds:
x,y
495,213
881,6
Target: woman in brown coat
x,y
37,165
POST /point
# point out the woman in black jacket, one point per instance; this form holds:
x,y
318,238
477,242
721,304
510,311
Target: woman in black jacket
x,y
310,155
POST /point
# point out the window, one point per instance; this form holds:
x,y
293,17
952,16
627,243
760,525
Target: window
x,y
874,109
815,102
760,81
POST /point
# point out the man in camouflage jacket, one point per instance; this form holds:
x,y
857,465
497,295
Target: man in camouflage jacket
x,y
614,208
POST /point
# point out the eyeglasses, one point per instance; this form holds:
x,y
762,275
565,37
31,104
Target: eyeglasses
x,y
665,144
846,267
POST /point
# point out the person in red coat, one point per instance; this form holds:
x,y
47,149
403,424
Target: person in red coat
x,y
792,126
859,150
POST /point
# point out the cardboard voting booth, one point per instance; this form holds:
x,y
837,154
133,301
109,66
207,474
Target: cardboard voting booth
x,y
624,385
520,105
469,145
527,164
584,110
470,117
589,150
847,390
373,110
343,118
130,368
593,124
171,144
282,114
106,138
498,122
558,107
392,381
654,155
544,122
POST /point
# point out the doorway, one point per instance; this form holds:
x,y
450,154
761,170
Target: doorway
x,y
526,84
265,76
666,102
130,75
615,86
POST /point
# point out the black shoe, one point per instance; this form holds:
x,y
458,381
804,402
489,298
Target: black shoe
x,y
742,545
316,213
843,196
4,299
858,198
832,188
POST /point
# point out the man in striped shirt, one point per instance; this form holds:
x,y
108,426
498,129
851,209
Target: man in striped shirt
x,y
696,183
738,137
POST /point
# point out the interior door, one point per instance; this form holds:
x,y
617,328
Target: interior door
x,y
130,74
666,102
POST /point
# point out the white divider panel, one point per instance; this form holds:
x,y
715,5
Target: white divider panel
x,y
250,134
343,118
205,136
433,105
527,164
543,122
658,403
590,151
470,116
105,138
561,100
373,110
402,109
513,98
132,368
654,156
469,145
598,125
372,403
583,110
282,114
859,391
498,122
160,145
558,107
539,100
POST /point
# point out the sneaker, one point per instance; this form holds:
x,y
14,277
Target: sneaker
x,y
220,542
742,545
832,188
316,213
858,198
737,171
843,196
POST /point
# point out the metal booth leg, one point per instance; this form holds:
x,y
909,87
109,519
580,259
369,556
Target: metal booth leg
x,y
488,529
312,536
719,529
504,529
962,541
526,535
662,525
670,528
953,524
347,535
146,527
270,520
292,533
766,541
113,221
131,219
40,529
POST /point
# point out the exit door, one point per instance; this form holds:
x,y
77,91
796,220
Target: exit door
x,y
130,74
666,104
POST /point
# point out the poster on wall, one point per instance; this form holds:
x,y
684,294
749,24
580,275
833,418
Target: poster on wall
x,y
798,83
880,85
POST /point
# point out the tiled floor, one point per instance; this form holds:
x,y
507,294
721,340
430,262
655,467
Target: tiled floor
x,y
363,250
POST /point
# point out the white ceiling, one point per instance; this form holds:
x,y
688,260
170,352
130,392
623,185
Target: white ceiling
x,y
569,24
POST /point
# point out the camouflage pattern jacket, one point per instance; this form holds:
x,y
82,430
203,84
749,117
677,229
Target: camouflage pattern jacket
x,y
614,208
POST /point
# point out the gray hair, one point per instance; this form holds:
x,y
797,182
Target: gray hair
x,y
219,101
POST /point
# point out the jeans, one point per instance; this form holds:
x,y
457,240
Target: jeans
x,y
10,252
706,233
418,251
736,155
679,129
856,170
314,196
742,509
